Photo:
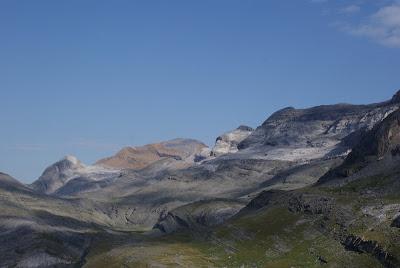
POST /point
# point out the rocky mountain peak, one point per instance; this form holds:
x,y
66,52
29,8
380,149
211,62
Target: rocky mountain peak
x,y
177,150
228,142
305,134
68,162
396,97
68,169
57,174
283,113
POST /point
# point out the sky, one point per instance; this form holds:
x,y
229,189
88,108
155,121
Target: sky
x,y
86,78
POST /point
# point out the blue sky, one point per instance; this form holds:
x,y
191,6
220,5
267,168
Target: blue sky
x,y
88,77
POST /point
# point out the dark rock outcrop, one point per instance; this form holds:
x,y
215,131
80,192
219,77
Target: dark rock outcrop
x,y
198,215
357,244
396,97
311,204
245,128
396,222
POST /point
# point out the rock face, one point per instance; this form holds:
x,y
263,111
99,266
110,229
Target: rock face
x,y
183,151
229,141
357,244
294,134
69,168
198,215
379,146
396,222
384,138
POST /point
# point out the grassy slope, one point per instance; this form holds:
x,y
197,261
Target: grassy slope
x,y
270,238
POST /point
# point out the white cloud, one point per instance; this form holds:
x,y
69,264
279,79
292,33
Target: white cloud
x,y
388,16
383,26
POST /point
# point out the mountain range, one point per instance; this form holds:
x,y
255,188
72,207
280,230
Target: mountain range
x,y
307,188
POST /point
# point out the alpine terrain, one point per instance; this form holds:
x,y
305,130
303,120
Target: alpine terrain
x,y
307,188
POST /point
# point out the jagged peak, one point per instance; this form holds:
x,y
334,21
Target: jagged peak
x,y
66,163
396,97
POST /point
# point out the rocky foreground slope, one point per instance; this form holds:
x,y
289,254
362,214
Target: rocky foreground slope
x,y
248,201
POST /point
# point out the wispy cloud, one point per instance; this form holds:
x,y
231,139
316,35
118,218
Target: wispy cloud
x,y
350,9
383,26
